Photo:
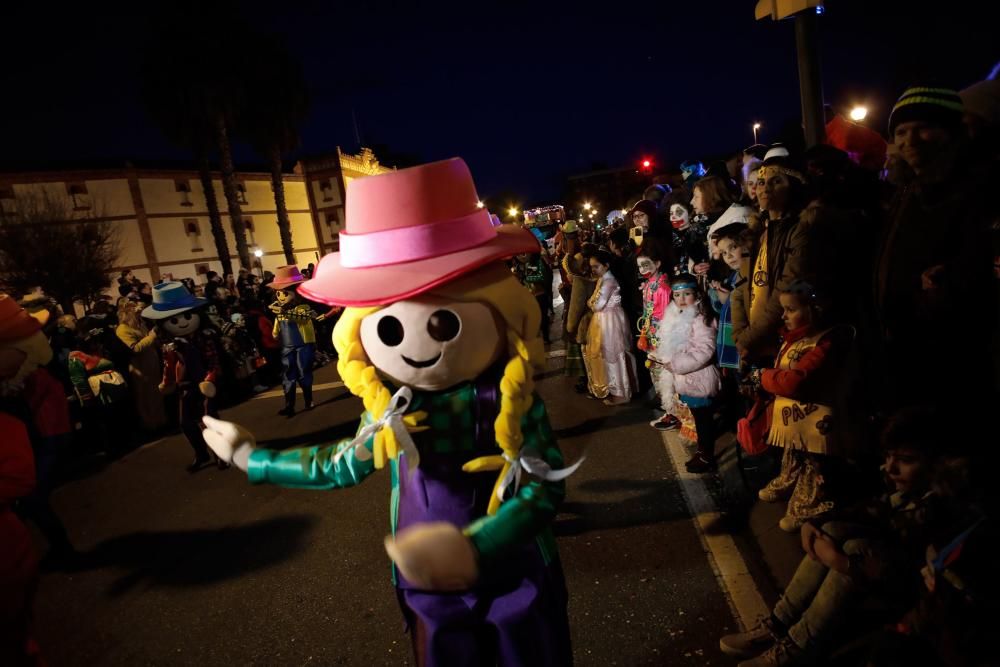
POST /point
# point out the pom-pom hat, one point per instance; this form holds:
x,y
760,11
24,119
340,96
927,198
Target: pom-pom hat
x,y
409,231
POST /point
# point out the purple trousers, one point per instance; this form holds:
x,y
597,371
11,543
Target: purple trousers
x,y
516,614
521,623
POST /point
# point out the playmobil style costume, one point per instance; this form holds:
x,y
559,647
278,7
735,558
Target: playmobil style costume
x,y
441,343
293,326
191,362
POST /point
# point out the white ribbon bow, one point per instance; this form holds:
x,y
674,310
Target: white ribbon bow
x,y
534,466
393,418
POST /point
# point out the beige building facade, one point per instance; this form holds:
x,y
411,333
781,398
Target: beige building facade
x,y
162,215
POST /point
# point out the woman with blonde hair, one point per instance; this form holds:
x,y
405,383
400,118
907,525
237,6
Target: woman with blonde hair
x,y
144,367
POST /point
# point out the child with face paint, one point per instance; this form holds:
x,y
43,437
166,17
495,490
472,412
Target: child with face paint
x,y
652,259
804,422
686,354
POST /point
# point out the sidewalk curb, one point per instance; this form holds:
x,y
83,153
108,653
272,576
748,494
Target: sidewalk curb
x,y
735,579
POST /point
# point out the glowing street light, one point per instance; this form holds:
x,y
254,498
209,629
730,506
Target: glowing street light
x,y
756,126
258,253
480,204
512,212
859,113
587,206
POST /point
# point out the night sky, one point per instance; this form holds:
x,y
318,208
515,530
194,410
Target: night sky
x,y
527,93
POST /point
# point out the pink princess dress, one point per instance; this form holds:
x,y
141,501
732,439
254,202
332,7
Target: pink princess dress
x,y
607,354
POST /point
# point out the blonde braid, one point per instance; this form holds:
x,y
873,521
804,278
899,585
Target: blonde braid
x,y
517,387
360,378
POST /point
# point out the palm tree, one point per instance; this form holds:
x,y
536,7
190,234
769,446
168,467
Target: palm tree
x,y
273,128
175,103
193,88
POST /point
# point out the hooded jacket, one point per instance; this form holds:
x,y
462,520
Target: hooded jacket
x,y
789,249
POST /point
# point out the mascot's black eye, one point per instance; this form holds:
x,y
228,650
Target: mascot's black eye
x,y
187,316
443,325
173,320
390,331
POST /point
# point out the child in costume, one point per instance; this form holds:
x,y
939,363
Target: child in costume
x,y
190,360
804,382
650,258
689,378
607,353
441,343
293,326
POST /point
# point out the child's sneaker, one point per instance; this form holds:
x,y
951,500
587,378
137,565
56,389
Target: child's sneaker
x,y
699,464
754,641
784,653
666,423
790,524
773,494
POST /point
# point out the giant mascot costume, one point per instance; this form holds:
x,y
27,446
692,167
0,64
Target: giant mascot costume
x,y
441,342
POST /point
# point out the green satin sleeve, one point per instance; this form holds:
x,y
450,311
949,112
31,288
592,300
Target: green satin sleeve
x,y
530,511
313,467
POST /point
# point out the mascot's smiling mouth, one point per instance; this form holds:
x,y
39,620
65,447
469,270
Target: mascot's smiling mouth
x,y
421,364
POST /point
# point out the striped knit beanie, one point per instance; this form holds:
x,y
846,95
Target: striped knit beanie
x,y
936,105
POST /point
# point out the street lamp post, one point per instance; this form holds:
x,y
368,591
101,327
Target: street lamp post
x,y
258,253
756,126
859,113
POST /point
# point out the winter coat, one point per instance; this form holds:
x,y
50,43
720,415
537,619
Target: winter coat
x,y
581,287
687,349
952,227
789,250
144,371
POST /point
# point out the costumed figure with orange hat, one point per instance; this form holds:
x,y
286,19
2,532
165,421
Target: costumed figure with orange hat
x,y
30,393
191,362
441,343
293,326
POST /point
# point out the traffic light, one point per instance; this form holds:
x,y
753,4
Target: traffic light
x,y
646,165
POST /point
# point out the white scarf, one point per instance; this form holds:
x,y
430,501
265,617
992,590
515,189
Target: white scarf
x,y
673,334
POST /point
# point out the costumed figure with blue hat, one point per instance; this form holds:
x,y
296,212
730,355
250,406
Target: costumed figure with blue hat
x,y
442,344
293,326
191,362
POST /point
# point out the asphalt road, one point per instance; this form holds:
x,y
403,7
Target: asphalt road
x,y
205,569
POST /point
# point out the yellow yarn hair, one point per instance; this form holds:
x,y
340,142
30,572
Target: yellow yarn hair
x,y
495,286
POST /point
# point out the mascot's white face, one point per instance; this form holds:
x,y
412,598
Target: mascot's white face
x,y
181,325
431,343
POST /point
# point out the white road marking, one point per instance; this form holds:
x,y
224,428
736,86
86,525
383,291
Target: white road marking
x,y
316,387
735,579
555,353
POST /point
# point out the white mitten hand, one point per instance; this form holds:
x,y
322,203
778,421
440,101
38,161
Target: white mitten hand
x,y
207,389
434,556
231,442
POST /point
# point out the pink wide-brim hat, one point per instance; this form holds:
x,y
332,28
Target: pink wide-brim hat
x,y
409,231
286,276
